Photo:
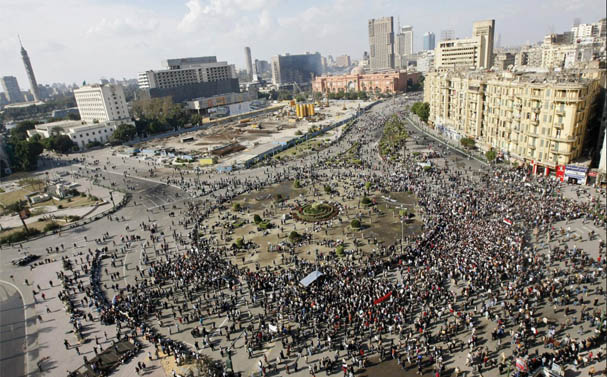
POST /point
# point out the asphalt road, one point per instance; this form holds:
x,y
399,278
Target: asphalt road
x,y
12,332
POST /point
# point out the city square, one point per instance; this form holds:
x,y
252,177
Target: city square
x,y
207,188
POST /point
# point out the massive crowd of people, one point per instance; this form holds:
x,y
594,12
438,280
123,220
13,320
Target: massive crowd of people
x,y
483,268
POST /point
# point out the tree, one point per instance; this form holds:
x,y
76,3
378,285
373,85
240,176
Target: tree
x,y
491,155
355,224
26,155
422,110
124,133
59,143
467,142
300,98
257,219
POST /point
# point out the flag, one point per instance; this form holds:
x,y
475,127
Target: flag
x,y
382,299
507,221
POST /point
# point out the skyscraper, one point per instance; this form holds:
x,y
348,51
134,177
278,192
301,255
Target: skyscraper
x,y
11,89
429,41
403,46
249,62
381,43
485,30
30,73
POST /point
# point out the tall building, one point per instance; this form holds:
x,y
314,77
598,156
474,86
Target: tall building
x,y
249,62
296,68
381,43
535,118
11,89
101,103
403,47
343,61
485,30
429,41
185,79
474,52
30,73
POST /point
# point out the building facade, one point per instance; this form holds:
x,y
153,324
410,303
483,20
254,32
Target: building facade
x,y
474,52
296,68
343,61
80,133
381,43
540,119
429,41
11,89
185,79
101,103
388,82
403,47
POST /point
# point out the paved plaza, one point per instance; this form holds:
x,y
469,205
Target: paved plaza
x,y
454,267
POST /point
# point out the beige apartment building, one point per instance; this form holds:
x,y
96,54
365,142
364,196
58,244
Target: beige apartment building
x,y
474,52
533,118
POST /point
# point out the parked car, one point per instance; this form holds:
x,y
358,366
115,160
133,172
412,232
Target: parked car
x,y
24,261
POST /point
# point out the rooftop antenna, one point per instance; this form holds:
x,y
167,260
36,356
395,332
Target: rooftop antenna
x,y
19,38
398,24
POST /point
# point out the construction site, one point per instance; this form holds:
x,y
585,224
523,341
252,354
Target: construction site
x,y
234,142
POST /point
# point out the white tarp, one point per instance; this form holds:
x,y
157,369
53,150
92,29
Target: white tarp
x,y
312,276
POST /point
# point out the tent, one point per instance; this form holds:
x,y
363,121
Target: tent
x,y
312,276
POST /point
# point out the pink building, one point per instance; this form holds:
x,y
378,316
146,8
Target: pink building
x,y
385,82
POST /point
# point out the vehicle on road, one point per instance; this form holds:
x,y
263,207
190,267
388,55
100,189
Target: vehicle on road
x,y
24,261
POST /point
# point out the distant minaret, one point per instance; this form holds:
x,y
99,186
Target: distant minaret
x,y
30,72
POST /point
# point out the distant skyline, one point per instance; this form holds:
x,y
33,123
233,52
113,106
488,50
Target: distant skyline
x,y
84,40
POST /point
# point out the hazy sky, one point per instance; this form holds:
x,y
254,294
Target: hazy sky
x,y
75,40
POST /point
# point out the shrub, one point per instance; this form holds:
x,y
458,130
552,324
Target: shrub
x,y
51,226
340,250
19,236
257,219
366,201
60,206
236,207
328,189
355,224
263,225
294,236
239,243
297,184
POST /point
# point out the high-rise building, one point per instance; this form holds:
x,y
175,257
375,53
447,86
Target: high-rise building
x,y
474,52
403,47
343,61
11,89
296,68
485,31
249,62
381,43
101,103
535,118
185,79
429,41
30,73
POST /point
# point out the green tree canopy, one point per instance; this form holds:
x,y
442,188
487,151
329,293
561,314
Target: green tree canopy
x,y
124,133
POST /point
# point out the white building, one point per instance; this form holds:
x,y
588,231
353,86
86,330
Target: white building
x,y
185,71
425,61
403,46
101,103
82,134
